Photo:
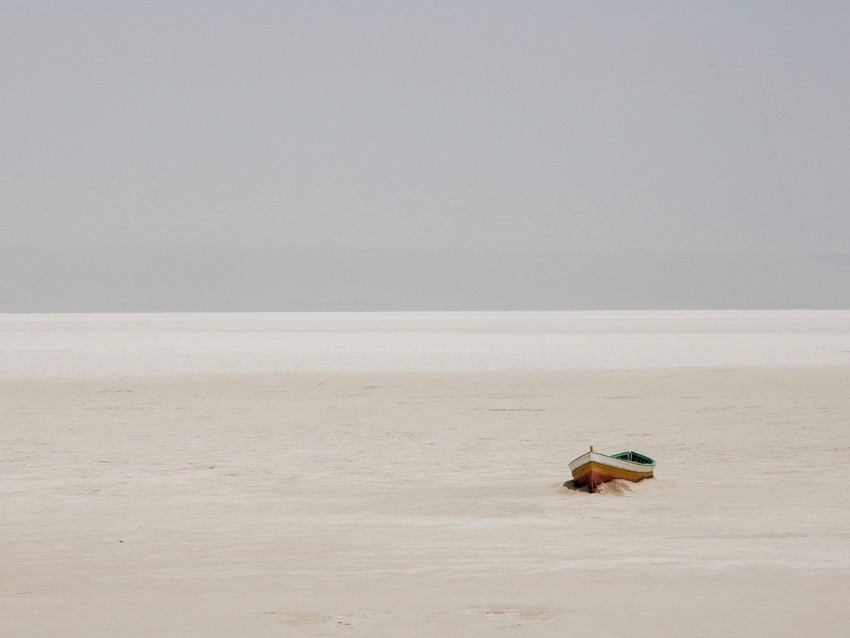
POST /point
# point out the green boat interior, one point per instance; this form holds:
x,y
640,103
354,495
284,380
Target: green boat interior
x,y
634,457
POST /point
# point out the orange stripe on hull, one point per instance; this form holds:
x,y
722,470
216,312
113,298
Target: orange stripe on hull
x,y
604,473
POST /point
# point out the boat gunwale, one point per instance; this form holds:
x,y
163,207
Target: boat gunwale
x,y
598,457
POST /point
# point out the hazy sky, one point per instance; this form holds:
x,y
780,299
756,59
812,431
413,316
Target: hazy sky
x,y
535,126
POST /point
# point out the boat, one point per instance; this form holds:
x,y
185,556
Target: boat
x,y
593,468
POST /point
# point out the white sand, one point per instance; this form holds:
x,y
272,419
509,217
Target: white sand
x,y
400,475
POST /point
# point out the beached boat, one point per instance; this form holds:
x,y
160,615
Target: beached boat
x,y
593,468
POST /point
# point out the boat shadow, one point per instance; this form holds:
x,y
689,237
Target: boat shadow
x,y
571,485
613,488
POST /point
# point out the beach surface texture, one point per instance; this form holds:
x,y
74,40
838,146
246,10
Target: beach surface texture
x,y
388,475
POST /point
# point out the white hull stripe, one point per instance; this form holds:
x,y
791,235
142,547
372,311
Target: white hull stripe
x,y
602,459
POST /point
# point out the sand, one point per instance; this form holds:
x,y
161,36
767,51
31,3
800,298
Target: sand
x,y
402,475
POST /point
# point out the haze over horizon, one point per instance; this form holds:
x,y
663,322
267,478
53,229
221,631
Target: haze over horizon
x,y
424,156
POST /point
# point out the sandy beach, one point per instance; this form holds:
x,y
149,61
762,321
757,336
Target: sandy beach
x,y
402,474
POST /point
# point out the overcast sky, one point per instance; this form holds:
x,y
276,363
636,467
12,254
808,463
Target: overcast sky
x,y
555,127
531,125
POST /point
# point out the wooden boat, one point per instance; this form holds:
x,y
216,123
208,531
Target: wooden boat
x,y
593,468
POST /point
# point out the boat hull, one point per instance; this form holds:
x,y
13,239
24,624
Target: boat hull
x,y
593,469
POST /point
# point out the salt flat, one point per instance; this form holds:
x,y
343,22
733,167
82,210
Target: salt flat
x,y
85,345
401,474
